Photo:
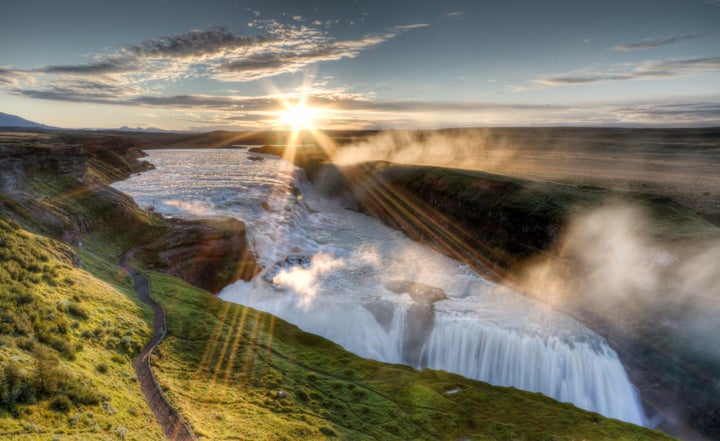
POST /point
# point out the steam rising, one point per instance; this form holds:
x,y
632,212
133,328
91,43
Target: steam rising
x,y
464,149
305,282
609,262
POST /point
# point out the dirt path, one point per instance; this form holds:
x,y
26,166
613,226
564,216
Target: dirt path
x,y
165,413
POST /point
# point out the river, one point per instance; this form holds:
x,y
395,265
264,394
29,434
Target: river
x,y
347,277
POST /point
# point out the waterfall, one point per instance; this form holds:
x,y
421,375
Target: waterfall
x,y
579,369
585,373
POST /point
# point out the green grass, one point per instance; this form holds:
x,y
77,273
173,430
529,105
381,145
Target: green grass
x,y
66,341
225,367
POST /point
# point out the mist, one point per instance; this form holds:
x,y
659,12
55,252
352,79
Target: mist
x,y
677,164
617,259
305,281
471,148
611,261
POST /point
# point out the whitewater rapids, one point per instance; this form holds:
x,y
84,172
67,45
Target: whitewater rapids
x,y
346,277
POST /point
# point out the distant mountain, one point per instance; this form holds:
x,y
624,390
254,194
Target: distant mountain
x,y
7,120
148,130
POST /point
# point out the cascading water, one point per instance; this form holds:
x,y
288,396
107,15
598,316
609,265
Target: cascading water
x,y
345,276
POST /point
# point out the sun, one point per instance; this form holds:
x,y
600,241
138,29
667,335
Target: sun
x,y
299,116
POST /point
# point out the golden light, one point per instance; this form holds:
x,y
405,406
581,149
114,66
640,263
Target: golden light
x,y
299,116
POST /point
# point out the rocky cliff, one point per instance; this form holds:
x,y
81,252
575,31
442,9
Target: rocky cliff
x,y
59,186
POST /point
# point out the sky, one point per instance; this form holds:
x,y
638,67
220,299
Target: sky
x,y
241,64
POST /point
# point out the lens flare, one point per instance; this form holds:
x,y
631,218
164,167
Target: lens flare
x,y
299,116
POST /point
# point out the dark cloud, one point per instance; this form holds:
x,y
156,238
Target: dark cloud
x,y
80,91
195,43
8,76
678,113
646,71
352,102
300,46
97,92
655,42
106,66
207,102
220,54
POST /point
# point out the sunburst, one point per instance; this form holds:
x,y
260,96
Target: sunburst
x,y
299,116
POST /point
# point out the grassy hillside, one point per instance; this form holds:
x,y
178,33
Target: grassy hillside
x,y
234,372
66,341
68,335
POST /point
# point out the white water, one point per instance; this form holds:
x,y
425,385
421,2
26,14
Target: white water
x,y
481,331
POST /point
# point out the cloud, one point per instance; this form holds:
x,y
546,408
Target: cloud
x,y
81,90
7,76
104,93
195,44
295,53
137,75
106,66
649,70
655,42
206,102
247,117
341,109
676,113
219,54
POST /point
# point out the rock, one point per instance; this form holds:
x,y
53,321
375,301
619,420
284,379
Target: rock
x,y
419,292
419,323
297,260
287,263
453,390
256,158
206,253
419,320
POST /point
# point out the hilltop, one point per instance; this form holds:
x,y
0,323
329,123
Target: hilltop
x,y
7,120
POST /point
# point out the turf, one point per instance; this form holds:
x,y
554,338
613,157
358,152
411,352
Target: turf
x,y
66,341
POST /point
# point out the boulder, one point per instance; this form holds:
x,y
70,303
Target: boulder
x,y
209,254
